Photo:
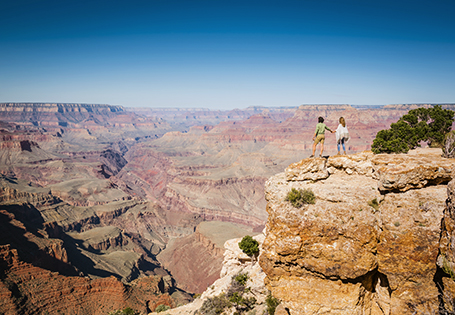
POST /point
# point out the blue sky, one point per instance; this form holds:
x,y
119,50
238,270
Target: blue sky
x,y
227,54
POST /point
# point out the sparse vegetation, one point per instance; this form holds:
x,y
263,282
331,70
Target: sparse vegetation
x,y
374,204
238,283
272,304
161,308
237,291
397,224
300,197
238,297
448,150
447,268
241,278
126,311
249,246
422,124
215,305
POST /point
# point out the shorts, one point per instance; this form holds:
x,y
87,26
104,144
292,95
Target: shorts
x,y
319,138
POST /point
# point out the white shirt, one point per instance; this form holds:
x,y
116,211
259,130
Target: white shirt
x,y
342,132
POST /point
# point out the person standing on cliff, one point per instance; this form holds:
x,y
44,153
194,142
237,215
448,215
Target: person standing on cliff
x,y
342,135
319,135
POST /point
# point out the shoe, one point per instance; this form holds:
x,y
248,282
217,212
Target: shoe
x,y
311,156
338,153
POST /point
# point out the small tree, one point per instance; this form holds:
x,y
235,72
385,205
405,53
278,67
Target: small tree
x,y
421,124
249,246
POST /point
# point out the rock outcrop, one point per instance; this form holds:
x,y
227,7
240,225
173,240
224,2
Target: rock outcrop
x,y
235,262
370,243
446,258
27,289
201,253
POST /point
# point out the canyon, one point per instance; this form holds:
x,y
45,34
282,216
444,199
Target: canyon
x,y
377,240
98,192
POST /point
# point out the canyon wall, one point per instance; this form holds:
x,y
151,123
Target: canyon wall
x,y
27,289
200,253
370,243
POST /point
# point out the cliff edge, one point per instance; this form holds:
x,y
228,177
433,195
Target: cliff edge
x,y
370,243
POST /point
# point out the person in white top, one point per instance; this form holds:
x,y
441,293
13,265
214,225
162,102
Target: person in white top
x,y
342,135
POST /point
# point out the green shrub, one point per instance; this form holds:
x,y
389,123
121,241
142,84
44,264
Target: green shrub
x,y
272,303
215,305
300,197
374,204
241,303
241,278
126,311
249,246
238,283
421,124
447,269
162,308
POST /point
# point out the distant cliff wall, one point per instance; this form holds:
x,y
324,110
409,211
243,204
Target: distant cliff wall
x,y
58,107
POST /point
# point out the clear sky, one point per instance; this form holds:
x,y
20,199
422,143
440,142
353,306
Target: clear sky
x,y
224,54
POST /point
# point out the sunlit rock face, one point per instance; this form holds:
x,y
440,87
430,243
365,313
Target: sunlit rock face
x,y
446,258
370,243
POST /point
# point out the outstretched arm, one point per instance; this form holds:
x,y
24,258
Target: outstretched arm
x,y
327,128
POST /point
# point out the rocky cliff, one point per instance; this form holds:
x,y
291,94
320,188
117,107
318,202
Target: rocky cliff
x,y
52,255
370,243
235,262
83,121
200,253
27,289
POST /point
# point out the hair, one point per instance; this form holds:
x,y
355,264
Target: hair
x,y
320,119
342,122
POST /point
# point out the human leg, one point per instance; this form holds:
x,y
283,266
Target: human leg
x,y
342,143
314,148
321,139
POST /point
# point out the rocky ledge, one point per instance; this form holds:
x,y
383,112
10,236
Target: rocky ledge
x,y
370,243
234,263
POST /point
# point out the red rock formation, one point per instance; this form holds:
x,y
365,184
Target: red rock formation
x,y
26,289
199,254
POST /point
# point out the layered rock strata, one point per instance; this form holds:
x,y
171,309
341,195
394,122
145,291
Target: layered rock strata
x,y
369,244
201,253
27,289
